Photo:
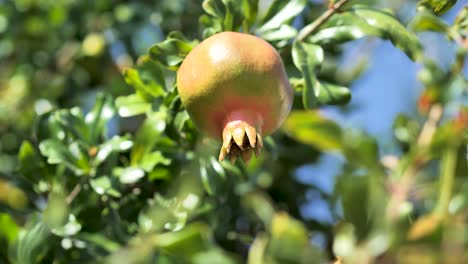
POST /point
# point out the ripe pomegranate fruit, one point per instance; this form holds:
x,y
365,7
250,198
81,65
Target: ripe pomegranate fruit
x,y
234,86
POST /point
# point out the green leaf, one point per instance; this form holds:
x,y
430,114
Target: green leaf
x,y
103,185
30,162
171,52
147,136
100,240
147,79
115,144
257,250
131,175
186,243
438,6
215,8
73,123
284,15
392,29
32,244
424,21
96,119
310,128
56,213
343,27
284,32
9,230
207,181
180,119
307,58
289,241
132,105
227,12
213,256
72,156
149,161
250,10
461,22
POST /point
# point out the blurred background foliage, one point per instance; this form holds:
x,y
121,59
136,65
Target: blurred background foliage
x,y
99,162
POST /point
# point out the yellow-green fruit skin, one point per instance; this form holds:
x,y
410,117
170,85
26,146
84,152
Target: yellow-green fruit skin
x,y
234,76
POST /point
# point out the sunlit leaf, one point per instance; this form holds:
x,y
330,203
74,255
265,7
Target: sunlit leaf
x,y
31,244
284,32
96,119
30,162
250,9
149,161
438,6
171,52
104,185
393,30
424,226
283,15
72,156
311,128
115,144
424,21
343,27
131,175
290,242
307,58
132,105
146,79
56,213
8,228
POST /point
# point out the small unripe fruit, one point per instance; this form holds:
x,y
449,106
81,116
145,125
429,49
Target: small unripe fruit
x,y
234,86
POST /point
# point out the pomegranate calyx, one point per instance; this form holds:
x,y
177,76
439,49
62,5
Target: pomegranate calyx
x,y
240,139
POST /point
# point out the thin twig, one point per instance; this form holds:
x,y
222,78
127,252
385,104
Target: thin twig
x,y
407,179
309,29
74,193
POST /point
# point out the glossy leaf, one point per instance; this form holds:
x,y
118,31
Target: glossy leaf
x,y
284,32
131,175
9,230
307,58
115,144
72,156
425,21
32,244
147,79
96,119
149,133
227,12
438,6
171,52
289,241
250,10
132,105
56,213
312,129
153,159
30,162
343,27
186,243
283,15
104,185
392,29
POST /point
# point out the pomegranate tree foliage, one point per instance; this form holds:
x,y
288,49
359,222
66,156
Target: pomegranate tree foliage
x,y
131,180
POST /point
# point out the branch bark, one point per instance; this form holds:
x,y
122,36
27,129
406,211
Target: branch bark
x,y
309,29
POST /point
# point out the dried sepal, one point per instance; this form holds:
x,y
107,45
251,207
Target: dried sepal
x,y
240,139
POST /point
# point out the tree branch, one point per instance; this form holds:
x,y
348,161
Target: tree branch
x,y
309,29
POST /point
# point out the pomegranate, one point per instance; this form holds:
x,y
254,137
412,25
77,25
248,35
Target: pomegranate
x,y
234,86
